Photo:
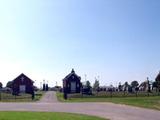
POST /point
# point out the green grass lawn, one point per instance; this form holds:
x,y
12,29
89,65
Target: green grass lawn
x,y
38,95
8,97
44,116
152,102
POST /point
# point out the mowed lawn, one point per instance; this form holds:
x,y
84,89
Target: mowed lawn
x,y
152,102
45,116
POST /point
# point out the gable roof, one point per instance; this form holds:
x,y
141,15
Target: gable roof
x,y
70,74
158,77
22,74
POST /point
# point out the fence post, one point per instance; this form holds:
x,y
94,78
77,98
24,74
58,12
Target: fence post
x,y
111,94
0,96
33,96
136,93
124,93
15,97
147,93
65,93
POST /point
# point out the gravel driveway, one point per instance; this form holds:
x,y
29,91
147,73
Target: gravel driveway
x,y
49,97
105,110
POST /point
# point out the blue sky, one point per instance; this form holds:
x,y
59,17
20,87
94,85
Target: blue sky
x,y
117,40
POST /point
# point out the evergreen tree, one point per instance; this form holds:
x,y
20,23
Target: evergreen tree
x,y
154,85
158,81
96,85
1,85
9,84
148,85
88,88
120,87
126,85
88,84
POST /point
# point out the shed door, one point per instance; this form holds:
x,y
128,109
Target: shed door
x,y
22,88
73,86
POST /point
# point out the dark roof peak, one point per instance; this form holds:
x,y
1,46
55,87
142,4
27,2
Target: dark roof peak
x,y
22,74
70,74
72,71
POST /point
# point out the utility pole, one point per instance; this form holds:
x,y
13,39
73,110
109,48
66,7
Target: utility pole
x,y
85,77
98,77
40,85
56,83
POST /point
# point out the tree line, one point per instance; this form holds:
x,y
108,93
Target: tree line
x,y
134,86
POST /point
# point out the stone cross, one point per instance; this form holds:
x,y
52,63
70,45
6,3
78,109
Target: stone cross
x,y
22,78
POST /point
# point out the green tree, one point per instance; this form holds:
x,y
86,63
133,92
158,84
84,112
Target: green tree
x,y
158,81
120,86
9,84
126,85
134,84
87,89
96,85
154,85
148,85
1,85
88,84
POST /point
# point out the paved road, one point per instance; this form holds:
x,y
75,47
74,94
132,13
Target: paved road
x,y
49,97
106,110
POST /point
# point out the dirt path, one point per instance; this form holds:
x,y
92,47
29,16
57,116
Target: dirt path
x,y
106,110
49,97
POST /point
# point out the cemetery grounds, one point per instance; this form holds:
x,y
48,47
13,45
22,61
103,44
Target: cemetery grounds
x,y
139,99
8,97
